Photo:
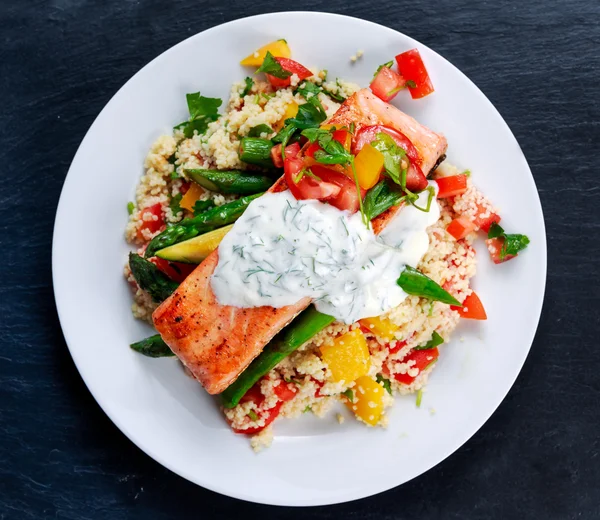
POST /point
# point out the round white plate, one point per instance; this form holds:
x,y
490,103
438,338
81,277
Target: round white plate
x,y
167,414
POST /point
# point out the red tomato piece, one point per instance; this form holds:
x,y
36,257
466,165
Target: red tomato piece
x,y
451,186
290,66
415,179
387,84
151,225
397,347
486,222
307,187
291,152
271,415
472,308
422,359
310,151
285,391
460,227
176,271
347,198
254,395
494,246
411,66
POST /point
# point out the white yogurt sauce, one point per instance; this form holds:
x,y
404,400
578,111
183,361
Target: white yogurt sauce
x,y
282,249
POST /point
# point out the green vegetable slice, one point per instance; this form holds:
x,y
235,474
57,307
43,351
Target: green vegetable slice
x,y
130,207
154,346
232,181
302,329
417,284
257,151
150,278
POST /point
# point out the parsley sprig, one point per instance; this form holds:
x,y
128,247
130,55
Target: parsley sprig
x,y
203,110
271,66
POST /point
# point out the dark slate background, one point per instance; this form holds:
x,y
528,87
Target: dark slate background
x,y
537,457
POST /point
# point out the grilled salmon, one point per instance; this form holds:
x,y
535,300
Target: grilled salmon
x,y
217,342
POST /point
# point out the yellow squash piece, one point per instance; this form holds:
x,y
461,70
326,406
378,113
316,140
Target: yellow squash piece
x,y
369,164
381,327
191,196
348,356
278,48
196,249
290,111
368,400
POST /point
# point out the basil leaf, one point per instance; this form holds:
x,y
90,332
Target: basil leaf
x,y
248,87
202,205
392,157
380,198
435,341
258,130
495,231
416,283
271,66
513,243
385,382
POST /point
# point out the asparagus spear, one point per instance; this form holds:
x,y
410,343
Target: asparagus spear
x,y
150,278
255,150
207,221
154,346
233,181
289,339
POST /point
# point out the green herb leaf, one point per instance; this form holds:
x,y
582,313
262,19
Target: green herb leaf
x,y
380,198
308,116
252,415
307,409
411,84
202,110
174,203
435,341
271,66
419,397
174,174
385,382
394,91
248,87
130,207
358,192
284,135
392,157
512,244
416,283
387,64
258,130
332,151
349,394
430,198
202,206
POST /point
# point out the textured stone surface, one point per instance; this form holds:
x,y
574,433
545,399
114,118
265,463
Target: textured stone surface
x,y
537,457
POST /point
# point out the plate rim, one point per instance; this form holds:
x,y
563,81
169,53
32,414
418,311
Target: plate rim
x,y
60,216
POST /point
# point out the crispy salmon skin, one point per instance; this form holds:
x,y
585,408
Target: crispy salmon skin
x,y
217,342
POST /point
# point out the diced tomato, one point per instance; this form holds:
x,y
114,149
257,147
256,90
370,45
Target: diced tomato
x,y
291,66
412,68
451,186
486,222
319,385
415,179
387,84
422,359
460,227
291,152
271,415
151,225
176,271
285,391
253,395
494,246
472,308
347,198
312,148
307,187
399,345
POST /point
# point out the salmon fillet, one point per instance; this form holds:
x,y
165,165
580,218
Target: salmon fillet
x,y
217,342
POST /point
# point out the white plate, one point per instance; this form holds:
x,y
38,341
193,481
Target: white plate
x,y
168,415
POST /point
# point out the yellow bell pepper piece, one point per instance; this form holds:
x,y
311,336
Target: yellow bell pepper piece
x,y
368,164
348,356
191,196
290,111
278,48
368,400
382,327
196,249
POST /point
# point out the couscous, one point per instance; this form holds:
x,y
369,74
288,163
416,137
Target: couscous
x,y
343,280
